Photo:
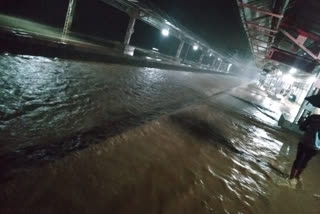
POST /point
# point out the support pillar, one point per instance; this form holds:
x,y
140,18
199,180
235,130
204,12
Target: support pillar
x,y
186,54
219,65
130,30
213,63
69,18
179,50
201,58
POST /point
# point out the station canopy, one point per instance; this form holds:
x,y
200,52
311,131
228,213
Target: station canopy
x,y
149,13
283,33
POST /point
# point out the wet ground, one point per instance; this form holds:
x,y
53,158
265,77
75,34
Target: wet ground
x,y
80,137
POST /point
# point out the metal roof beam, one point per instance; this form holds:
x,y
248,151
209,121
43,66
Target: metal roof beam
x,y
257,52
260,10
261,27
259,33
260,46
300,43
260,17
255,39
310,35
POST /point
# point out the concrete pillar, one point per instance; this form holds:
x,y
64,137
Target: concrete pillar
x,y
129,50
219,65
69,18
213,63
130,29
202,57
186,54
179,50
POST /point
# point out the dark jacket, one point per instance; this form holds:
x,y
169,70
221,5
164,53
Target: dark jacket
x,y
311,125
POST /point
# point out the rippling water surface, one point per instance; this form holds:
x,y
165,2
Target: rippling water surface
x,y
80,137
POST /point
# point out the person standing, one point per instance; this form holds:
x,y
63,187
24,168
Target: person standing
x,y
308,147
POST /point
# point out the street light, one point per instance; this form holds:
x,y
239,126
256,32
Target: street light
x,y
165,32
195,47
293,70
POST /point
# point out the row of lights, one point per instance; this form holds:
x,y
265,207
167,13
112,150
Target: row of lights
x,y
289,78
292,71
166,32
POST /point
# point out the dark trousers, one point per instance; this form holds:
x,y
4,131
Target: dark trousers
x,y
304,155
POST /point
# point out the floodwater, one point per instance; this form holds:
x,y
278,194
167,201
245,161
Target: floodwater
x,y
84,137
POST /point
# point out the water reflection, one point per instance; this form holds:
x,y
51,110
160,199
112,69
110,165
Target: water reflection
x,y
212,155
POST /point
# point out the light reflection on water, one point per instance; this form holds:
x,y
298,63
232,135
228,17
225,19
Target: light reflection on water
x,y
212,157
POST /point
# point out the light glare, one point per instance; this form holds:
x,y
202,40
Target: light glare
x,y
165,32
293,70
288,78
311,80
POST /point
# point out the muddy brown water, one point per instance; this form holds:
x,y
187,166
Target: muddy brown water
x,y
217,154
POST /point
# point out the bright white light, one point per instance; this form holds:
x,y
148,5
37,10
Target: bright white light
x,y
288,78
210,54
167,22
293,70
165,32
219,59
279,73
229,66
148,58
155,49
159,60
311,80
195,47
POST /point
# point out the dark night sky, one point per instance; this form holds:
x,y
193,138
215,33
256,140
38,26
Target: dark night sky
x,y
216,21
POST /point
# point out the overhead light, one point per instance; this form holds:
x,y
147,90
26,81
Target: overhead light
x,y
195,47
165,32
279,73
293,70
229,66
210,54
167,22
155,49
219,59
